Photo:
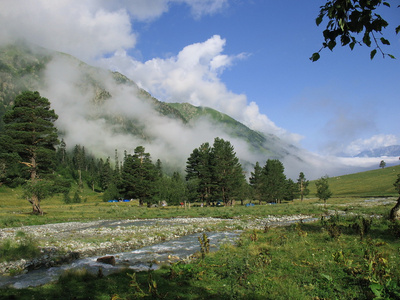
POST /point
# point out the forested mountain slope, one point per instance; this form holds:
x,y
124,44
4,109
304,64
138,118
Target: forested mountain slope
x,y
105,110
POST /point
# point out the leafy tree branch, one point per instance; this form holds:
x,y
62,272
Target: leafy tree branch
x,y
348,20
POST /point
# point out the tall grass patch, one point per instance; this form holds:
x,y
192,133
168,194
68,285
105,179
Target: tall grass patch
x,y
23,246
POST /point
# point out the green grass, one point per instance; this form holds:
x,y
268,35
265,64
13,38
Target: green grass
x,y
349,193
298,262
364,184
24,247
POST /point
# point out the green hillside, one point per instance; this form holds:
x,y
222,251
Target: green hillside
x,y
257,140
364,184
23,67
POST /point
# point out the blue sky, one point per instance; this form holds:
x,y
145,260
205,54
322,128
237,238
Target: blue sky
x,y
342,98
249,59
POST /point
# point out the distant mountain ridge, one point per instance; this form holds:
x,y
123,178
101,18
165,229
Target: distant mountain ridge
x,y
94,95
393,150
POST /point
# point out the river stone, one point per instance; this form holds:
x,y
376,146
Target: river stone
x,y
107,260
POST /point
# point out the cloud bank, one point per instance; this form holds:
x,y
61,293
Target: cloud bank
x,y
92,30
193,76
376,141
87,29
89,122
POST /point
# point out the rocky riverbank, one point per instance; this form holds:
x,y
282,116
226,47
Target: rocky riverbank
x,y
64,242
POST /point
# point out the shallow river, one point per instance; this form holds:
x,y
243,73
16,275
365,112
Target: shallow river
x,y
149,257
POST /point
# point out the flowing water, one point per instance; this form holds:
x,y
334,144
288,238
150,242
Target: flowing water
x,y
146,258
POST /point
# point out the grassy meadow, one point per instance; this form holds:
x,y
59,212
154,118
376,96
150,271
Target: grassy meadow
x,y
355,254
375,183
350,193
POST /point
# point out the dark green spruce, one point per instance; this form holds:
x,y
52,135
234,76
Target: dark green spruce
x,y
29,128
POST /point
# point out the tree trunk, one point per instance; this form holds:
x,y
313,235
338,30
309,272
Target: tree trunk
x,y
35,199
35,205
301,190
80,179
395,211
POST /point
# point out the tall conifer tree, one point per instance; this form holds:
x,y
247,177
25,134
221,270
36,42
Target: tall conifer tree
x,y
226,170
138,176
198,172
274,181
256,182
30,126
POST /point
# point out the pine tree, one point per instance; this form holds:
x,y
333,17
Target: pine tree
x,y
92,173
79,162
105,173
171,189
199,173
12,172
255,180
138,176
274,181
302,184
227,172
214,173
30,126
290,190
62,152
159,169
117,170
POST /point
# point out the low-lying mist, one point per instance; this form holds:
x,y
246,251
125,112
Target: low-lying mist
x,y
93,110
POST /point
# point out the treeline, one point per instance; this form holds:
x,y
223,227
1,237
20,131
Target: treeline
x,y
31,155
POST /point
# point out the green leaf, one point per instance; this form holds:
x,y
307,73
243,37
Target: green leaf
x,y
345,40
318,20
351,45
373,52
391,56
377,289
327,277
331,45
385,41
386,4
397,29
315,57
367,39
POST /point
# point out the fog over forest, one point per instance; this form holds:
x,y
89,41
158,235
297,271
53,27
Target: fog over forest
x,y
83,121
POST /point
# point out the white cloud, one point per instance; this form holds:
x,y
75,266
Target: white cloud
x,y
193,76
376,141
146,10
87,29
75,27
205,7
92,29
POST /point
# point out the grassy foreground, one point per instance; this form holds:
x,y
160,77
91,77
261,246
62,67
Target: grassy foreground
x,y
343,258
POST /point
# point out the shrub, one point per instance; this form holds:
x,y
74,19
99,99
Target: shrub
x,y
394,228
11,250
334,230
362,226
77,198
67,198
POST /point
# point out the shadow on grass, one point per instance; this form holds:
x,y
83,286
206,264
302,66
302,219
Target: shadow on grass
x,y
83,285
351,226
